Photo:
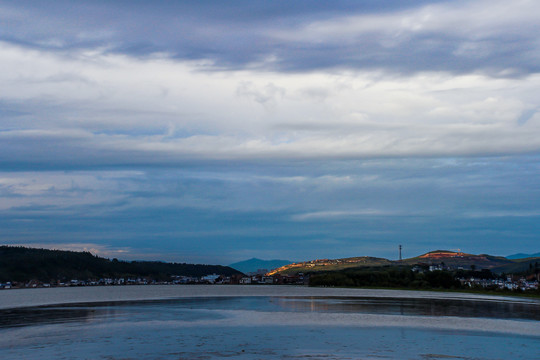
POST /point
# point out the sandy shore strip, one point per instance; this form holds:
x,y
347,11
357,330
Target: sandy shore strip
x,y
17,298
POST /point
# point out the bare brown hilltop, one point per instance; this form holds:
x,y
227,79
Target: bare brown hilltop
x,y
450,259
330,264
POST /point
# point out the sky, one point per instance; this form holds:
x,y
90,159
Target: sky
x,y
213,132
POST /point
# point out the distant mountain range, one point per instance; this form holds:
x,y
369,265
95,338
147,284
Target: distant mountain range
x,y
254,264
22,264
523,256
438,257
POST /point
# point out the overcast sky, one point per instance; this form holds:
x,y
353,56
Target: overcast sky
x,y
217,131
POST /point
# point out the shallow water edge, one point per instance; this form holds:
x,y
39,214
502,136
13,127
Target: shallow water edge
x,y
17,298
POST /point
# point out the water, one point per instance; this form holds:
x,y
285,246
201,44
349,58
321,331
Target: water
x,y
293,323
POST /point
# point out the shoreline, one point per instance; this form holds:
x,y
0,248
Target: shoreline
x,y
24,298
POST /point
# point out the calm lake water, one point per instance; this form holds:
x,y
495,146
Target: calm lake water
x,y
251,322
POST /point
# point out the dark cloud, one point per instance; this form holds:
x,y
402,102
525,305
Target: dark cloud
x,y
233,35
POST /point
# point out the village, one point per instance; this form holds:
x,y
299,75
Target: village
x,y
263,277
510,283
259,278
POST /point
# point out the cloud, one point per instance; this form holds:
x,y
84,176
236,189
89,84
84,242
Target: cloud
x,y
475,36
195,131
116,110
208,212
326,215
503,213
45,193
492,37
265,96
94,249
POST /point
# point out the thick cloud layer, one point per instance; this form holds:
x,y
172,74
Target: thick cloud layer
x,y
497,37
86,109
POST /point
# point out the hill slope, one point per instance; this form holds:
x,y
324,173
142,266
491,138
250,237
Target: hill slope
x,y
255,264
330,265
24,264
449,258
519,265
458,259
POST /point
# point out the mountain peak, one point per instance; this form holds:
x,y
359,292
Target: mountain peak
x,y
522,256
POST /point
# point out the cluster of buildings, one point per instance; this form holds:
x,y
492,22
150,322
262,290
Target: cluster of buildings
x,y
75,282
509,283
263,277
437,267
238,279
257,278
276,279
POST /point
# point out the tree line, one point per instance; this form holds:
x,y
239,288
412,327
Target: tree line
x,y
23,264
388,277
404,278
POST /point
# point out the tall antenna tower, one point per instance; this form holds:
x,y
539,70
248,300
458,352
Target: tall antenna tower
x,y
399,252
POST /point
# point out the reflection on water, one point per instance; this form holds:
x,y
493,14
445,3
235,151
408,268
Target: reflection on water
x,y
55,315
425,307
33,316
270,328
193,309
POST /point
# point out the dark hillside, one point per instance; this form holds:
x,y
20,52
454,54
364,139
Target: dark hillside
x,y
519,265
24,264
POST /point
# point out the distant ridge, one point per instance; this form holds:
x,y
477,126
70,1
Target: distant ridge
x,y
254,264
523,256
448,258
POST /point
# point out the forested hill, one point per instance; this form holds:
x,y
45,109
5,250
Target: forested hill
x,y
24,264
